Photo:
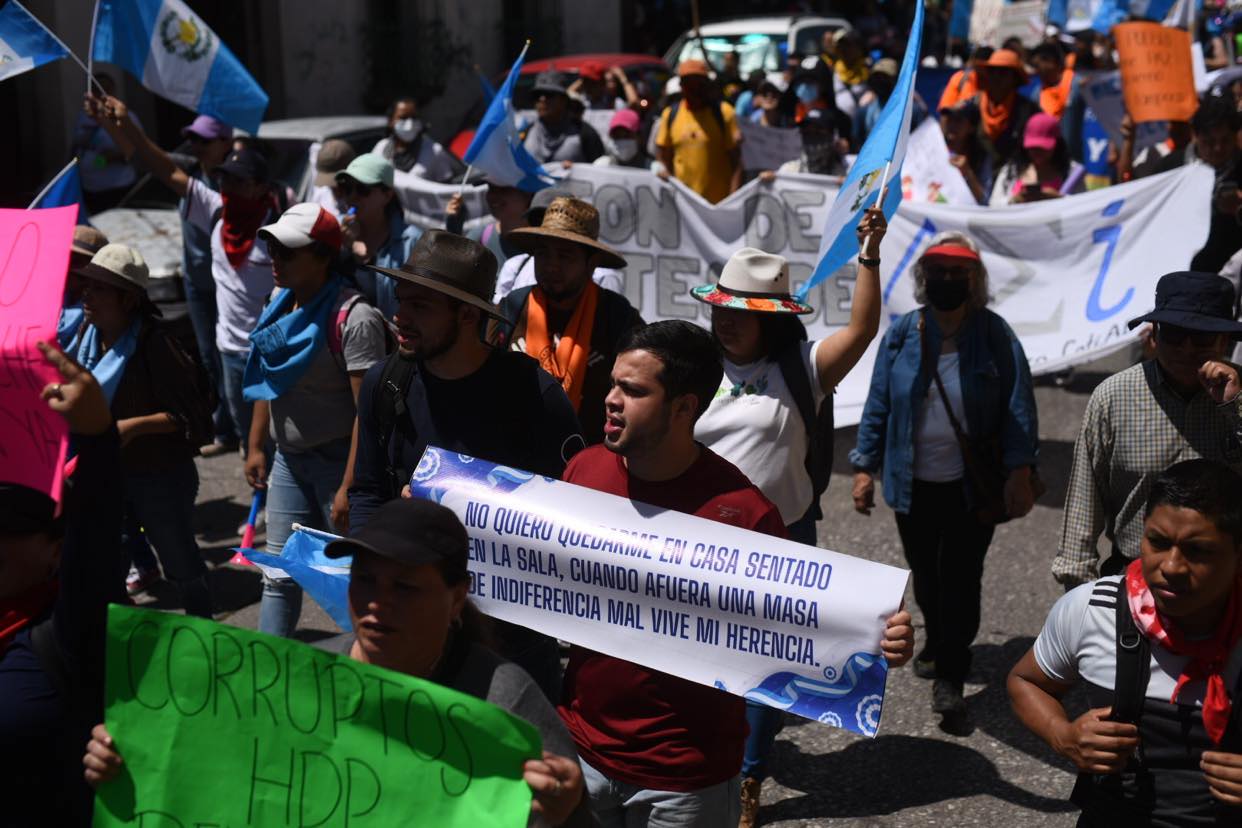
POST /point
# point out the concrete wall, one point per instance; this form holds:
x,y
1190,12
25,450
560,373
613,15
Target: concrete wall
x,y
322,58
591,25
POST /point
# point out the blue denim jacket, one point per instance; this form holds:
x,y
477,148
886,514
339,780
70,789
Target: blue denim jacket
x,y
996,391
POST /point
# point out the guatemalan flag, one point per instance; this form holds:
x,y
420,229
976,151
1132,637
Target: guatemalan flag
x,y
859,191
171,49
24,42
497,148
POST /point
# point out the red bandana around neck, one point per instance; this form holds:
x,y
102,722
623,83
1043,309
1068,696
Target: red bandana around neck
x,y
17,611
1207,656
240,221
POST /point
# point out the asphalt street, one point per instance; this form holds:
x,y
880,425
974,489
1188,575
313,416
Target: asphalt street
x,y
914,773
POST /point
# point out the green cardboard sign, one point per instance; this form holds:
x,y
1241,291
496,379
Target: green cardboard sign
x,y
220,726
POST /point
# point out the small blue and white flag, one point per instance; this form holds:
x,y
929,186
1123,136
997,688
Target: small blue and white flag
x,y
25,42
497,148
63,190
885,148
178,57
324,579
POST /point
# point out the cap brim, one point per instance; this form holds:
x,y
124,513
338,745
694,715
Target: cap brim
x,y
1190,321
714,296
525,238
238,170
1041,143
432,280
551,90
283,235
90,270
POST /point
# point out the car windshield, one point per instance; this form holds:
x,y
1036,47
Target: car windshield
x,y
755,52
809,40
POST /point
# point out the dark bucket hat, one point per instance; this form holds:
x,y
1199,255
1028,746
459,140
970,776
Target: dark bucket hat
x,y
1195,301
455,266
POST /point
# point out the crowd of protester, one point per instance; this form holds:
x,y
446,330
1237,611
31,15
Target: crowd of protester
x,y
336,341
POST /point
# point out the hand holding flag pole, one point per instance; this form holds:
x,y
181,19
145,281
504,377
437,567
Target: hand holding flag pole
x,y
879,202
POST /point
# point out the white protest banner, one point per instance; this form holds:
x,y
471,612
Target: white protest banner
x,y
926,174
778,622
1102,92
766,148
424,202
1040,256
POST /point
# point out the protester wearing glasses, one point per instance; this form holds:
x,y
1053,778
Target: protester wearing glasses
x,y
1185,403
232,215
312,345
949,378
374,228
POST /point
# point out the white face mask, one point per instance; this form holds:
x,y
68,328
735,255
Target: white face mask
x,y
625,148
407,129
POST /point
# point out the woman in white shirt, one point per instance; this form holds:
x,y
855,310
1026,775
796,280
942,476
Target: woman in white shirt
x,y
755,421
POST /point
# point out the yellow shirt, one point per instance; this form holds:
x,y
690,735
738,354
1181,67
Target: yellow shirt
x,y
701,148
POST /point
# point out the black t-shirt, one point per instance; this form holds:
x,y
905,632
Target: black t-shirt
x,y
509,411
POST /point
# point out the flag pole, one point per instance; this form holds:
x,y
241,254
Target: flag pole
x,y
90,54
879,202
462,189
61,43
52,183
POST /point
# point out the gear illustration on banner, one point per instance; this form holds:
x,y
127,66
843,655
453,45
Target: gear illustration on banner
x,y
428,466
868,714
185,37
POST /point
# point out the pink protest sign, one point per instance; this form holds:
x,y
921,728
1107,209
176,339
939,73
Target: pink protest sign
x,y
34,257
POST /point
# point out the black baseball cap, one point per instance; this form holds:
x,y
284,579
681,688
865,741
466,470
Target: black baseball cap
x,y
412,531
25,511
245,163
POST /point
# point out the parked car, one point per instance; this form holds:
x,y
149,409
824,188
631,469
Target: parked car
x,y
760,42
147,218
646,72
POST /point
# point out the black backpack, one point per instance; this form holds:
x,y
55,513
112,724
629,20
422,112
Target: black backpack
x,y
716,108
818,422
196,407
401,412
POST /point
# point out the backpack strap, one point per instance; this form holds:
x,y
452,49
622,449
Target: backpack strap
x,y
1133,665
336,333
392,414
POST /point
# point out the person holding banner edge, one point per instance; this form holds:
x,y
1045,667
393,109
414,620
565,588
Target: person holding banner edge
x,y
767,415
658,750
951,402
410,613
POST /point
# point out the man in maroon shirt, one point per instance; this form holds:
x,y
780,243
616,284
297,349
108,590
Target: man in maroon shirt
x,y
658,750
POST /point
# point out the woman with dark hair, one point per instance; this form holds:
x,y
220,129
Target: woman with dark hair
x,y
763,417
1041,169
960,125
948,371
410,613
374,229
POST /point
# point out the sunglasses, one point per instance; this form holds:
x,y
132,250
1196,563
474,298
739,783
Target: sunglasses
x,y
350,187
1174,335
935,271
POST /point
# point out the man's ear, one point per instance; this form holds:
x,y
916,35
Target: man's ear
x,y
687,405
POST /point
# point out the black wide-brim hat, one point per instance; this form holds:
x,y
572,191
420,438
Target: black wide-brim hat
x,y
453,265
1195,301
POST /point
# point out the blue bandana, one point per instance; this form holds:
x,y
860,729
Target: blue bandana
x,y
67,328
107,366
283,344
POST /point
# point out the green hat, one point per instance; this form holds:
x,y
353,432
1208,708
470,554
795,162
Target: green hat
x,y
369,169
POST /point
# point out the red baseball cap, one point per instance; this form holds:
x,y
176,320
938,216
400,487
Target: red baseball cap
x,y
1042,132
951,251
303,224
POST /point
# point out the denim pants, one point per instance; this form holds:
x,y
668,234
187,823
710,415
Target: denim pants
x,y
232,371
163,504
621,805
200,303
300,489
765,722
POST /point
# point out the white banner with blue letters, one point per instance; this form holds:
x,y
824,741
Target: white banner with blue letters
x,y
789,625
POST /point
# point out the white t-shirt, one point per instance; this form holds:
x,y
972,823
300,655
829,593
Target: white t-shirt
x,y
519,271
433,161
325,198
937,456
240,293
1079,640
754,423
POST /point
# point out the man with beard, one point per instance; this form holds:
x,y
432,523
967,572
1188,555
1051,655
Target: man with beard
x,y
565,320
445,387
658,750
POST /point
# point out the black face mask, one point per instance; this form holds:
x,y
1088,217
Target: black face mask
x,y
947,294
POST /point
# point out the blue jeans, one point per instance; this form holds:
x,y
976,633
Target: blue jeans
x,y
621,805
765,722
200,303
232,371
163,504
300,489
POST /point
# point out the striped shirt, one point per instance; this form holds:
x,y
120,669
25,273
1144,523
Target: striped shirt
x,y
1136,426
